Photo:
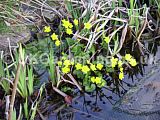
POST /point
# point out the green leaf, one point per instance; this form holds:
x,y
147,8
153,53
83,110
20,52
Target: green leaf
x,y
109,69
79,74
30,81
26,109
71,9
52,65
1,69
34,109
92,49
70,41
102,84
77,49
90,88
66,89
14,114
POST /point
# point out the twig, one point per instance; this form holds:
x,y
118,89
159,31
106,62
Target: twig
x,y
7,106
75,82
45,5
58,76
9,66
124,32
10,49
41,116
20,113
59,108
81,37
59,92
141,31
63,79
8,80
67,98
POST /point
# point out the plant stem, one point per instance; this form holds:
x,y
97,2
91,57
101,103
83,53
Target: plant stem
x,y
58,91
75,82
14,91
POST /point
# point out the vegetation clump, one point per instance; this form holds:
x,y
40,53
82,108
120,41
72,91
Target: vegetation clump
x,y
79,50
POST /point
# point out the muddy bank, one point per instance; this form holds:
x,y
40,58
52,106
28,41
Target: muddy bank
x,y
11,38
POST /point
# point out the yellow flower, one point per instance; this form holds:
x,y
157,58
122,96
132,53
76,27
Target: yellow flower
x,y
99,66
75,22
47,29
128,57
66,70
107,39
114,62
93,67
133,62
78,66
121,69
121,75
62,53
57,43
54,36
87,25
65,23
93,79
59,63
120,63
67,62
64,57
98,80
88,62
69,31
70,25
72,62
85,69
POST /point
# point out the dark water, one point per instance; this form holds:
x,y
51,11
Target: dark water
x,y
101,104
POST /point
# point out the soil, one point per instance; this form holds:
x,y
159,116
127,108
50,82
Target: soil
x,y
17,34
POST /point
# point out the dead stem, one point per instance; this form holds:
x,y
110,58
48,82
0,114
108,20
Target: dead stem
x,y
14,91
7,106
67,81
124,32
67,98
58,91
141,31
41,116
20,113
75,82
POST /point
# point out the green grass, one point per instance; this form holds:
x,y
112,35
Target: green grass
x,y
25,85
52,65
4,77
4,28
